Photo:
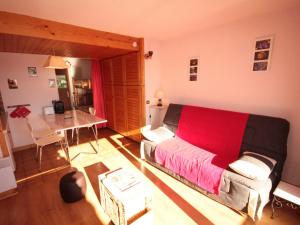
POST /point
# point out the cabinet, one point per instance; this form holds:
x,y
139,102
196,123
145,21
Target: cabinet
x,y
7,163
123,86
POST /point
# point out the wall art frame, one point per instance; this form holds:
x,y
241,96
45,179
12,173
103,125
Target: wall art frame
x,y
263,47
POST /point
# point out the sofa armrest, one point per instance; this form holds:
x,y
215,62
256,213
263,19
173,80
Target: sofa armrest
x,y
231,176
147,150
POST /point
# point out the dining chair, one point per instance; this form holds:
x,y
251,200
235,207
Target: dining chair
x,y
92,111
43,136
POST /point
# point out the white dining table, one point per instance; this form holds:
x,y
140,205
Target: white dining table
x,y
73,119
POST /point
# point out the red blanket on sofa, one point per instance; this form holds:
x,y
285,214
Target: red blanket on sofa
x,y
216,136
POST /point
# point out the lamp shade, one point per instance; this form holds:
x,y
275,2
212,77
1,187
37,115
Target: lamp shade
x,y
159,94
56,62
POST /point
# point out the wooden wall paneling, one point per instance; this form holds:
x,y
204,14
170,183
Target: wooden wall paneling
x,y
132,69
142,77
127,85
109,105
134,111
117,66
107,72
120,108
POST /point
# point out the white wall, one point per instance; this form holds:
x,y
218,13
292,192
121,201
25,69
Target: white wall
x,y
32,90
152,74
226,79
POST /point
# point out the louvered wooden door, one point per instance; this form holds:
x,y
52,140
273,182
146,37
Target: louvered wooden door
x,y
134,111
124,94
109,105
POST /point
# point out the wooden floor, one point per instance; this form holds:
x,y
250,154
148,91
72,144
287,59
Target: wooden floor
x,y
39,203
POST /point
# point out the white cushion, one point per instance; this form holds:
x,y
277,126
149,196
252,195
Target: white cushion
x,y
254,166
157,135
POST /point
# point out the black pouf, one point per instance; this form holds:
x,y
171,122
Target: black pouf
x,y
72,186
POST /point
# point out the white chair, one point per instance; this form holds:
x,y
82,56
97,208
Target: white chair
x,y
43,136
92,111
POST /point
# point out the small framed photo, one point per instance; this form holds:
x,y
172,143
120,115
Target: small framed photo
x,y
194,62
193,77
263,44
194,70
260,66
32,71
12,83
51,83
262,53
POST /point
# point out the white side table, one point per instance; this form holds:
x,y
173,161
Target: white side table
x,y
285,194
157,115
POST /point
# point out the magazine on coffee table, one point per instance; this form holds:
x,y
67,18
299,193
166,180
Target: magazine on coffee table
x,y
122,179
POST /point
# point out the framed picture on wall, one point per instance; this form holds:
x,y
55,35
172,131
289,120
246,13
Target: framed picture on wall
x,y
32,71
262,54
193,68
12,83
51,83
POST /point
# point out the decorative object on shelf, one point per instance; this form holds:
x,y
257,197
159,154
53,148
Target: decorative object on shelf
x,y
262,54
159,95
51,83
193,68
32,71
12,83
148,55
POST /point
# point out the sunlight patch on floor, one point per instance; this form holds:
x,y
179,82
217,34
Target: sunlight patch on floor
x,y
206,206
91,198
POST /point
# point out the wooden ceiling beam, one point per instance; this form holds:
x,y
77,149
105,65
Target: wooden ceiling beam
x,y
16,24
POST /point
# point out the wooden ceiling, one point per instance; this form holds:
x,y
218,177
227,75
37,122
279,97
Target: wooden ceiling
x,y
25,34
31,45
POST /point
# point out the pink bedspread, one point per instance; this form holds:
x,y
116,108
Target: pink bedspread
x,y
191,162
219,132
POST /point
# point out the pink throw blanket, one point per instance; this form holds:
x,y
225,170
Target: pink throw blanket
x,y
190,162
219,132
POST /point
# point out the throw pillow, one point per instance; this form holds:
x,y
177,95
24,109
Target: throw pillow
x,y
254,166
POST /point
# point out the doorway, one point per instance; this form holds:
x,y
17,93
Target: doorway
x,y
63,86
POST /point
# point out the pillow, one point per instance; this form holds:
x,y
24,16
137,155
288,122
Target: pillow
x,y
254,166
157,135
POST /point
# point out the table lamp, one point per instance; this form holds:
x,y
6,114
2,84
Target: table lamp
x,y
159,95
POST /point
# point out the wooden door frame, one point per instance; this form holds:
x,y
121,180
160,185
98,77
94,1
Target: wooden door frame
x,y
68,84
142,73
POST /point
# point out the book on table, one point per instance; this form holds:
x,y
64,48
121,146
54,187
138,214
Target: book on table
x,y
122,179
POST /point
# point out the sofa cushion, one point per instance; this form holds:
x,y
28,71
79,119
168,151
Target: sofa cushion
x,y
254,166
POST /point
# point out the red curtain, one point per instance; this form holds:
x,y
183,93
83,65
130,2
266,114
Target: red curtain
x,y
98,100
